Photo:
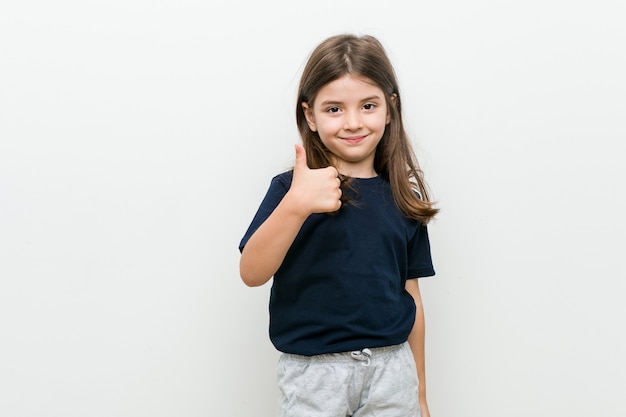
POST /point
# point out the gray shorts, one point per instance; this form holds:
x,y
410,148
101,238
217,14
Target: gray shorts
x,y
379,382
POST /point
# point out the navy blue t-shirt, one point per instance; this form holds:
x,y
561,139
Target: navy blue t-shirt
x,y
341,285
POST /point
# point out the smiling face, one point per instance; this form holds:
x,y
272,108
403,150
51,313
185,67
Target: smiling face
x,y
350,116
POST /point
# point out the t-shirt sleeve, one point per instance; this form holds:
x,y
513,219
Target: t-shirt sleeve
x,y
278,188
419,256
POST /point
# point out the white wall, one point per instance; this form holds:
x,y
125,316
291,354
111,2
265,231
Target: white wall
x,y
137,139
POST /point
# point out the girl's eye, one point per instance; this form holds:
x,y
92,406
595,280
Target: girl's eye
x,y
333,110
369,106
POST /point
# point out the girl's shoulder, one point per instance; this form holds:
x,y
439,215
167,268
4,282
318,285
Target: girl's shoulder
x,y
284,178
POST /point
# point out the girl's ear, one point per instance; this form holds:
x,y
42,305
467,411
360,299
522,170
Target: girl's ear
x,y
308,114
393,103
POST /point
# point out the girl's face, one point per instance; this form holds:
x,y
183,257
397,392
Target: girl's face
x,y
350,115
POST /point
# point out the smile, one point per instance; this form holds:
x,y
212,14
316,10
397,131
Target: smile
x,y
353,140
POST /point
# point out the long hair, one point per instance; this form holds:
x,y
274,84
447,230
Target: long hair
x,y
395,159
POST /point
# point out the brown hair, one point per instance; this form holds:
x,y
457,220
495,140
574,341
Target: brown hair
x,y
395,159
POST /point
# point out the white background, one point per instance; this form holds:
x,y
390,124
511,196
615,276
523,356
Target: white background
x,y
137,139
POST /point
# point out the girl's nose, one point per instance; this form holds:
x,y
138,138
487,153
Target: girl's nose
x,y
352,120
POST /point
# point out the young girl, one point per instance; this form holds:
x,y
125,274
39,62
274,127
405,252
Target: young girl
x,y
344,236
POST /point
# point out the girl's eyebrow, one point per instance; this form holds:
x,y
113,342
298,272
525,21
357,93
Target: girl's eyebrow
x,y
336,102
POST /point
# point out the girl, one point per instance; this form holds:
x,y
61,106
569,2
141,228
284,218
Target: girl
x,y
344,236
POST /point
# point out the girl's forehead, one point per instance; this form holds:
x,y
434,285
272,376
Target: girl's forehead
x,y
350,86
355,78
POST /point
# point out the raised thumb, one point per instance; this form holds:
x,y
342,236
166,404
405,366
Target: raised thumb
x,y
300,157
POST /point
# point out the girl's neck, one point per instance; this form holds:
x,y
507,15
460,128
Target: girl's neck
x,y
356,170
373,174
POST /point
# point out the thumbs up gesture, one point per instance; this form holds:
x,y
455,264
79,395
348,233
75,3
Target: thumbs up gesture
x,y
314,190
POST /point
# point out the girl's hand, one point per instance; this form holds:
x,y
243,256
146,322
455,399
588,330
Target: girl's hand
x,y
314,190
424,412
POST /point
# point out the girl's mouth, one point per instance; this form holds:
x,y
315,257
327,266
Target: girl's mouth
x,y
353,140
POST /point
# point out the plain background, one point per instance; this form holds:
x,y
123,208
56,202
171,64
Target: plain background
x,y
137,139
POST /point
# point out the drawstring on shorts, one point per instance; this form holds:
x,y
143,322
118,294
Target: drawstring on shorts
x,y
363,355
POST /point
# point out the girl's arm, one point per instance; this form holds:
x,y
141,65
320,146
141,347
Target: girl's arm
x,y
265,250
416,341
311,191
